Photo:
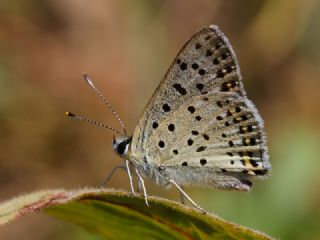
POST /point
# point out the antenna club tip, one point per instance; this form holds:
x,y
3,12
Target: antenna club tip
x,y
70,114
88,80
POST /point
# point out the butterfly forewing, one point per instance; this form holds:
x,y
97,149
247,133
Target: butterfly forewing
x,y
199,118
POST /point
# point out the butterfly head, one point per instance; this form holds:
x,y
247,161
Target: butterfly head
x,y
121,144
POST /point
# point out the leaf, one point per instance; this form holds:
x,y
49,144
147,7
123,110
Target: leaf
x,y
119,215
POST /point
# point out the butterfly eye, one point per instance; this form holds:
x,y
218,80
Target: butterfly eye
x,y
121,148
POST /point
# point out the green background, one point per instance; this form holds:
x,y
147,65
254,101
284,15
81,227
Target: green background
x,y
126,47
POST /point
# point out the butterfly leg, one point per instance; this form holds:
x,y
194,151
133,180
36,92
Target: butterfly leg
x,y
181,196
130,177
187,196
111,174
143,187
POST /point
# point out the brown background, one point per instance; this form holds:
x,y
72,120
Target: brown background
x,y
126,46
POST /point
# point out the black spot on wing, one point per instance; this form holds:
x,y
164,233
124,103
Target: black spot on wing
x,y
179,89
203,161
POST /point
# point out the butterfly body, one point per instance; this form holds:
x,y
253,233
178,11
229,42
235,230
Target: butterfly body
x,y
199,128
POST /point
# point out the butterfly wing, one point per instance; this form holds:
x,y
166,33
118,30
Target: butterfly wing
x,y
199,127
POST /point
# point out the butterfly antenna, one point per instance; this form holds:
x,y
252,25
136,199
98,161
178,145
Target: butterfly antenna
x,y
90,83
84,119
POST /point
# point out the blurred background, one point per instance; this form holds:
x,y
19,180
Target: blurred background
x,y
126,47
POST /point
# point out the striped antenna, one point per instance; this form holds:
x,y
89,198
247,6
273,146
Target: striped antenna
x,y
84,119
90,83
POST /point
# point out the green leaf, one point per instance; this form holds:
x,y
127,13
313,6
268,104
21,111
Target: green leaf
x,y
119,215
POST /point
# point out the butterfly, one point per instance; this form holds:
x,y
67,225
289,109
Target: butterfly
x,y
199,128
